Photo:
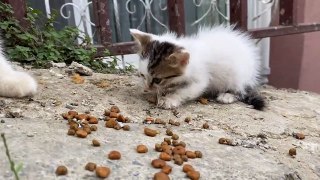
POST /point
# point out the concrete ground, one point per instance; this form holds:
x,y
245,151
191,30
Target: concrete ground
x,y
37,135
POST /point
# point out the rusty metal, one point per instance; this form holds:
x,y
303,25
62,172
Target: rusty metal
x,y
284,30
102,21
239,13
176,16
286,12
117,48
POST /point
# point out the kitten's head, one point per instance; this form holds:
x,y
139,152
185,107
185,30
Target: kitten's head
x,y
160,61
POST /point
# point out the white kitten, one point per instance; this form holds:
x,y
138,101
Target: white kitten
x,y
14,83
216,60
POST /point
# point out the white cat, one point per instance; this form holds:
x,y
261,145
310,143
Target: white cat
x,y
216,60
14,83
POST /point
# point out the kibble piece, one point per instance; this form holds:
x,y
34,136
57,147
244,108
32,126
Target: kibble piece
x,y
191,154
102,172
126,127
158,147
121,118
176,123
171,121
81,133
115,109
225,141
90,166
299,136
111,123
187,167
87,129
93,120
184,158
150,132
161,176
164,156
175,143
61,170
198,154
292,152
142,149
181,143
175,137
166,169
71,132
164,143
158,121
205,126
187,119
169,132
193,175
93,128
74,126
178,160
81,116
95,142
114,115
179,150
117,127
65,116
114,155
203,101
158,163
149,120
168,140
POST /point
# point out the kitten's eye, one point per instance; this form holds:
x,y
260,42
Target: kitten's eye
x,y
157,80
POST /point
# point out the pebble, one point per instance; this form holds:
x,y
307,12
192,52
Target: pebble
x,y
81,69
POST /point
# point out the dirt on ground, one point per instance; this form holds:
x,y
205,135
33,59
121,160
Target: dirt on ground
x,y
37,134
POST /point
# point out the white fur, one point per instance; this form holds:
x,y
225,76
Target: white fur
x,y
14,83
221,59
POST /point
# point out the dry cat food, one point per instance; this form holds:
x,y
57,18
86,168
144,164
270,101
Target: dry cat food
x,y
117,127
299,135
159,121
93,128
203,101
225,141
93,120
175,143
126,127
179,150
187,119
95,142
90,166
169,132
61,170
187,167
71,132
158,147
72,113
184,158
161,176
178,160
175,137
166,169
142,148
77,79
167,140
114,155
102,172
82,116
175,123
205,126
193,175
149,120
158,163
150,132
198,154
115,109
181,143
164,156
292,152
81,133
191,154
114,115
111,123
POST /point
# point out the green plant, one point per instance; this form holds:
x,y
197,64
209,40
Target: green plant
x,y
38,45
15,169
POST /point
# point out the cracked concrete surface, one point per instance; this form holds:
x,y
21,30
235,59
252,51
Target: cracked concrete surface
x,y
37,136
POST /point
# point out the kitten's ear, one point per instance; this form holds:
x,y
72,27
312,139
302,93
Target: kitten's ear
x,y
180,58
140,37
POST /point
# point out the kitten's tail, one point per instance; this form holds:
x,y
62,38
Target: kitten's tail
x,y
252,97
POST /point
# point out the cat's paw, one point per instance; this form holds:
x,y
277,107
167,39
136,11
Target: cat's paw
x,y
168,103
226,98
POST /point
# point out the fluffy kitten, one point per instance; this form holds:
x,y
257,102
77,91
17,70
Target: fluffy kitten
x,y
14,83
216,60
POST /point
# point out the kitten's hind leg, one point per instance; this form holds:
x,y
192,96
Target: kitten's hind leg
x,y
226,98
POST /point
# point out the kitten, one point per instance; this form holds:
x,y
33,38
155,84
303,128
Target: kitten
x,y
216,60
13,83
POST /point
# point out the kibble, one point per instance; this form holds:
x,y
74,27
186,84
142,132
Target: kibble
x,y
115,109
184,158
117,127
205,126
102,172
178,160
193,175
299,136
61,170
158,163
187,167
161,176
113,115
292,152
93,120
95,143
121,118
166,169
175,137
73,113
168,140
90,166
191,154
93,128
150,132
225,141
114,155
187,119
81,133
181,143
164,156
142,149
106,112
198,154
126,127
111,123
71,132
169,132
175,143
179,150
158,147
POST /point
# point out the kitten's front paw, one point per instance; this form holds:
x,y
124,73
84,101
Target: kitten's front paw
x,y
226,98
168,103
